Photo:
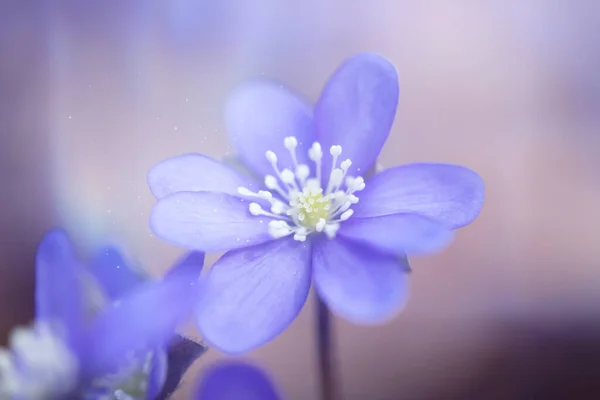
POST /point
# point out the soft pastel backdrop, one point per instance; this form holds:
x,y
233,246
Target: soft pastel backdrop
x,y
92,94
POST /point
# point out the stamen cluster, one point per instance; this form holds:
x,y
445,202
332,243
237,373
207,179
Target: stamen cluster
x,y
299,204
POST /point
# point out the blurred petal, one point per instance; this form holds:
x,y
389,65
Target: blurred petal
x,y
190,265
251,295
235,381
158,374
115,275
182,353
357,282
208,222
58,293
196,173
356,110
450,194
398,233
145,319
259,115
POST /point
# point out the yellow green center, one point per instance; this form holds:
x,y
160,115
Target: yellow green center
x,y
313,206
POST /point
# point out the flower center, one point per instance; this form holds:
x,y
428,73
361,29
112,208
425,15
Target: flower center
x,y
39,365
296,199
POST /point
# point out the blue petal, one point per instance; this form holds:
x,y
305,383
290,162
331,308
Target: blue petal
x,y
113,273
398,233
58,294
251,295
450,194
196,173
357,282
356,110
259,115
208,222
235,381
145,319
158,374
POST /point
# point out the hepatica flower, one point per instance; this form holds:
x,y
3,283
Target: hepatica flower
x,y
313,214
82,348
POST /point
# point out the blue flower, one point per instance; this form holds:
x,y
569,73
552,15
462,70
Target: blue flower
x,y
313,218
79,347
234,381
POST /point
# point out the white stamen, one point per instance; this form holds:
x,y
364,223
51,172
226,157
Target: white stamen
x,y
255,209
302,172
265,195
271,157
290,142
38,366
277,207
287,176
271,182
335,151
321,225
315,153
331,230
307,207
299,237
346,214
245,192
335,179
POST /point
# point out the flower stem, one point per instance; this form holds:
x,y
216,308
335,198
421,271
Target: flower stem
x,y
325,352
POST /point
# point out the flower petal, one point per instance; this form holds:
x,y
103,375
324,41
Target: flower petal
x,y
251,295
235,380
145,319
113,272
196,173
450,194
58,293
182,354
158,374
357,282
356,110
208,222
259,115
398,233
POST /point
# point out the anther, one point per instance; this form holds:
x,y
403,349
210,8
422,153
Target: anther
x,y
290,142
346,214
331,230
271,182
271,157
264,194
335,150
302,172
315,153
255,209
336,178
278,207
299,237
320,225
345,165
287,176
245,192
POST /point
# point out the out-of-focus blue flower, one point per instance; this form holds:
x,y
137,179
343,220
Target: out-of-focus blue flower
x,y
235,381
313,218
80,348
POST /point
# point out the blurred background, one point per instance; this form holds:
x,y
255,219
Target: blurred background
x,y
92,94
